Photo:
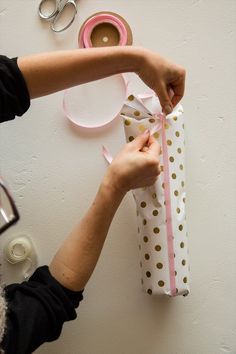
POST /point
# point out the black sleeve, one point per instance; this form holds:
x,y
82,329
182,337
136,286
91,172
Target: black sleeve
x,y
36,312
14,95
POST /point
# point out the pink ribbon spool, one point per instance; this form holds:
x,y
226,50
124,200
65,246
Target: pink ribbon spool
x,y
92,22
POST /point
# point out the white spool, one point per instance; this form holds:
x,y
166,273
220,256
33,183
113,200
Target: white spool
x,y
18,250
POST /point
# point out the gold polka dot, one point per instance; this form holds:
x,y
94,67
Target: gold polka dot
x,y
181,167
178,210
149,291
177,134
146,256
173,175
127,122
179,150
182,183
182,244
131,98
156,135
161,283
162,168
122,114
144,221
148,274
184,200
137,113
131,138
176,290
143,204
141,128
157,248
175,118
145,239
163,185
156,230
154,195
176,193
183,262
180,227
159,265
167,126
175,273
155,212
152,120
169,142
171,158
185,279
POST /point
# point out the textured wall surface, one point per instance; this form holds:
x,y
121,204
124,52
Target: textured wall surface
x,y
50,168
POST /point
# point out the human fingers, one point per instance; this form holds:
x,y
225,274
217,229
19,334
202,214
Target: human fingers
x,y
154,147
140,141
178,87
161,90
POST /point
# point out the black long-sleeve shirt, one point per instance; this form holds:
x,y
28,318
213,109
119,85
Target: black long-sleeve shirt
x,y
37,308
14,95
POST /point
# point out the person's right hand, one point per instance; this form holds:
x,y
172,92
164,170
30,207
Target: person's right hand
x,y
165,78
136,165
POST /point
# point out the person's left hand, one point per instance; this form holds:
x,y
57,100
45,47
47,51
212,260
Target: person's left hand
x,y
137,164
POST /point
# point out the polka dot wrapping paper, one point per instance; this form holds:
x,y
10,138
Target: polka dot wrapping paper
x,y
162,230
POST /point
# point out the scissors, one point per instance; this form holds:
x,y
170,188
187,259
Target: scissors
x,y
59,7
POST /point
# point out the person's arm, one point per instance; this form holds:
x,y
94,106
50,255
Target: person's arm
x,y
137,165
55,71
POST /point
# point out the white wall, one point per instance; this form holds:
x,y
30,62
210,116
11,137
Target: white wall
x,y
50,169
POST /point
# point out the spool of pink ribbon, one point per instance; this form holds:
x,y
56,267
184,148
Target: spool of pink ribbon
x,y
105,29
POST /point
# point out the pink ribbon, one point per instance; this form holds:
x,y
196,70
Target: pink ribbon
x,y
91,23
169,226
85,42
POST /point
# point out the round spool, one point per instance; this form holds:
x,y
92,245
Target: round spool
x,y
18,250
104,29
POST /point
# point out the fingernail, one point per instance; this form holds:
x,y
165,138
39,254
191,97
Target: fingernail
x,y
167,109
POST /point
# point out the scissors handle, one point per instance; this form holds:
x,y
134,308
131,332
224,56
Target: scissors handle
x,y
61,8
48,16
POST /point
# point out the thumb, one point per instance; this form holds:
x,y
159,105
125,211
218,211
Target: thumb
x,y
164,98
154,147
140,141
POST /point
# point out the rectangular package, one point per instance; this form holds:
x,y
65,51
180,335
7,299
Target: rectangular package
x,y
161,215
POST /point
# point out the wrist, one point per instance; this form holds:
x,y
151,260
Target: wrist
x,y
111,188
129,58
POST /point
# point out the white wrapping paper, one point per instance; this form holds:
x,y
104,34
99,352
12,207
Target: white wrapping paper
x,y
161,274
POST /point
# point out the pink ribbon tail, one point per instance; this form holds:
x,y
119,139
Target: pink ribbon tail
x,y
107,155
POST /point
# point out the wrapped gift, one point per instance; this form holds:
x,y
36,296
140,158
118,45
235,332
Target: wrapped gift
x,y
161,215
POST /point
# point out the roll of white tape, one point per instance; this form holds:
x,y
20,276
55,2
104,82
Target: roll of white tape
x,y
18,250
